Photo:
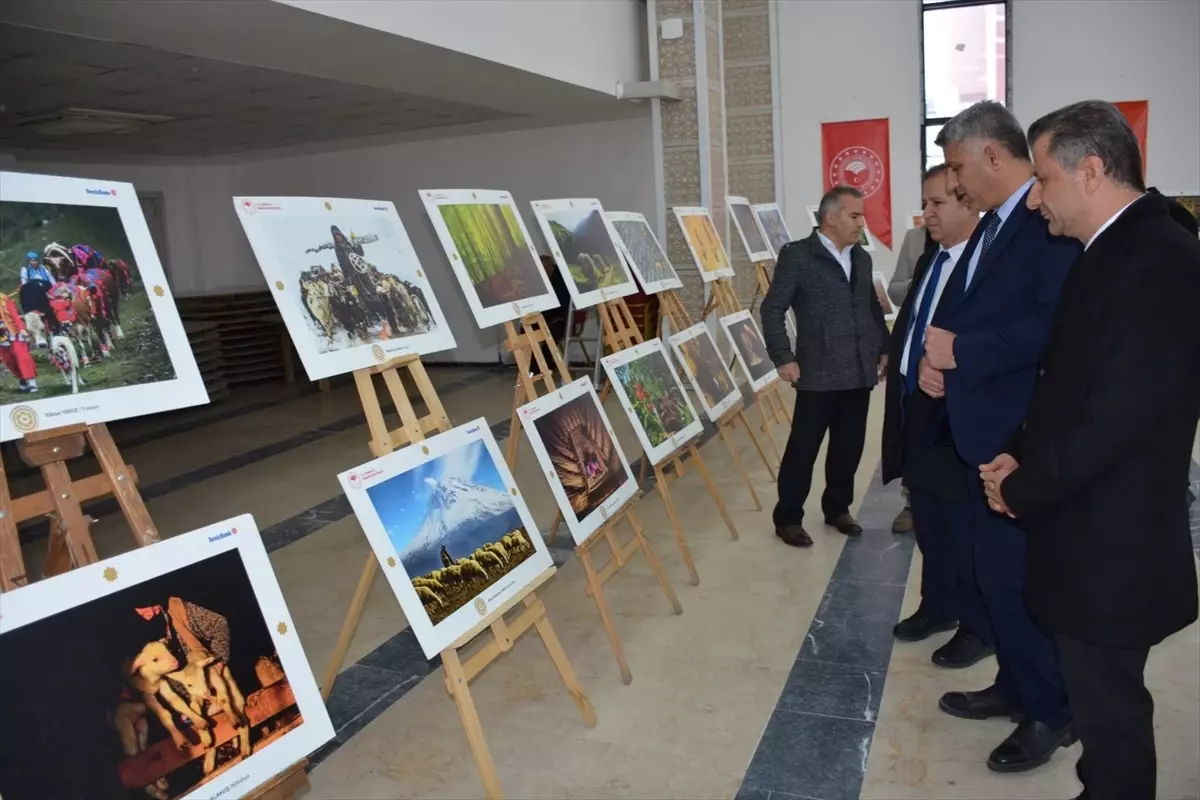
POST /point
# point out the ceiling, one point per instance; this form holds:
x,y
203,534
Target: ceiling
x,y
217,107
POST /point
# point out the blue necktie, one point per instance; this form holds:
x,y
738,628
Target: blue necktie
x,y
989,235
916,347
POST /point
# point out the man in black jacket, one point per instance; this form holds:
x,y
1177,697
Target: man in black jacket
x,y
1098,470
841,340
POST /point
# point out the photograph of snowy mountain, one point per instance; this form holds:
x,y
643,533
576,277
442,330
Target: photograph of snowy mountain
x,y
455,525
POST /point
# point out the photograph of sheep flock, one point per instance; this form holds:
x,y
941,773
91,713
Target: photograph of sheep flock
x,y
74,313
149,691
661,408
708,371
585,457
454,525
591,256
494,252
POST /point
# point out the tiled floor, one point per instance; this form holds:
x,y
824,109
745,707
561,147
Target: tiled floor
x,y
779,680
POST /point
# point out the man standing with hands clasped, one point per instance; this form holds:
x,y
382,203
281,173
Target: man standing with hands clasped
x,y
1098,471
841,341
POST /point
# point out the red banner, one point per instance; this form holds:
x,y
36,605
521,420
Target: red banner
x,y
1138,114
856,154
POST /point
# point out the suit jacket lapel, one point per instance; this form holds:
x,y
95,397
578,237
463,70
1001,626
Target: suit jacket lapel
x,y
1019,216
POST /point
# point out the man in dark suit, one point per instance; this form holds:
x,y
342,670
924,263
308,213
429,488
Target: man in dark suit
x,y
1098,471
934,474
840,355
985,340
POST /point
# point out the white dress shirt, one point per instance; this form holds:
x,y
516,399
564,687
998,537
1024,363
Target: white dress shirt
x,y
1003,212
1111,220
842,256
954,253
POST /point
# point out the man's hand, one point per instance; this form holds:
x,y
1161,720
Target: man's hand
x,y
790,371
939,348
993,475
881,370
929,379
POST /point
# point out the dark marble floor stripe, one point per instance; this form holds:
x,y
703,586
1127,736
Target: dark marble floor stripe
x,y
34,530
819,736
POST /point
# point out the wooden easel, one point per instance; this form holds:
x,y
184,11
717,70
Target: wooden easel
x,y
621,554
71,544
458,671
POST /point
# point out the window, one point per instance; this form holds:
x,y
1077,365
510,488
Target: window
x,y
964,59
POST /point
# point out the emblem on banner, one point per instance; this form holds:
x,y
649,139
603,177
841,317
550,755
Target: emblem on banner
x,y
857,166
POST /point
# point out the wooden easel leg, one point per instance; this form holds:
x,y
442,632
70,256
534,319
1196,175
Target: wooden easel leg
x,y
757,445
457,681
655,564
783,409
669,502
514,432
559,657
346,636
737,461
596,589
712,489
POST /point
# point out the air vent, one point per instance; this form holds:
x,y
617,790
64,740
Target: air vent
x,y
89,121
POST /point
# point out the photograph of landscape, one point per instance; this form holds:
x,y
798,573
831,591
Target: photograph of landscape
x,y
584,242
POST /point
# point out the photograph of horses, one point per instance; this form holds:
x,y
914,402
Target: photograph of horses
x,y
75,316
751,351
706,370
704,243
490,252
346,279
451,529
653,399
154,674
774,225
643,252
746,223
579,453
584,245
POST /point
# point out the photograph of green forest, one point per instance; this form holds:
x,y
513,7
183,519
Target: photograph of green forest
x,y
655,396
492,246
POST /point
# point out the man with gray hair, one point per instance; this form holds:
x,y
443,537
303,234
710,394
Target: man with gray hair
x,y
840,355
981,355
1097,471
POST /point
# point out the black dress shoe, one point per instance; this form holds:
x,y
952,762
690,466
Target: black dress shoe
x,y
963,650
845,524
979,705
795,535
921,626
1030,745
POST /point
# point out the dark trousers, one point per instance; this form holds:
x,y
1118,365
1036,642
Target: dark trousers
x,y
1113,715
1029,674
844,415
942,528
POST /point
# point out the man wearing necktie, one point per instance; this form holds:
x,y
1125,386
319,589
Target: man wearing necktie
x,y
934,474
983,345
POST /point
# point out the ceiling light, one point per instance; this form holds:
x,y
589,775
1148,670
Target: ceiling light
x,y
89,121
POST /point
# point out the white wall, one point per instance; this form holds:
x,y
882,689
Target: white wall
x,y
842,61
208,251
1064,51
590,43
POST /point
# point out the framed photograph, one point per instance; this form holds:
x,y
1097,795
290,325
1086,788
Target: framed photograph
x,y
711,379
490,252
751,351
654,400
753,237
584,245
450,529
95,706
916,219
643,252
575,445
864,236
770,217
1189,200
89,332
704,243
880,283
346,280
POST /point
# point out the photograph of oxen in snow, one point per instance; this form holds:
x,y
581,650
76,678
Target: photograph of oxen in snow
x,y
73,307
447,521
346,280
